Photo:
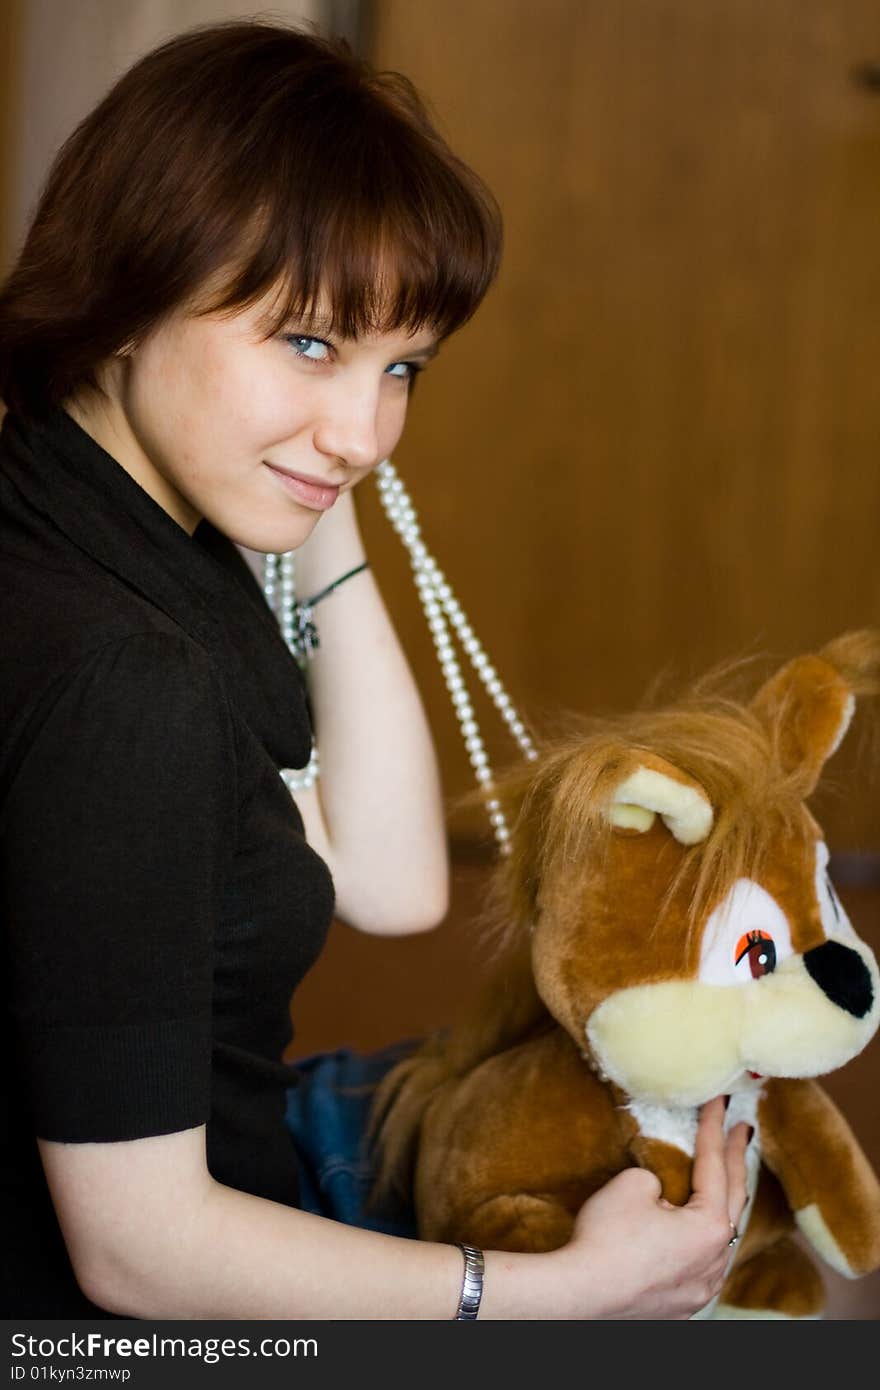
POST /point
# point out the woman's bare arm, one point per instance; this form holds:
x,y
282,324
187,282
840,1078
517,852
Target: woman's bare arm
x,y
152,1235
376,815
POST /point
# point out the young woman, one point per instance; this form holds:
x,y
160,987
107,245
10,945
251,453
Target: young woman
x,y
240,262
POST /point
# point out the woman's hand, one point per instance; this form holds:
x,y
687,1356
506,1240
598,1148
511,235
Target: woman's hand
x,y
634,1255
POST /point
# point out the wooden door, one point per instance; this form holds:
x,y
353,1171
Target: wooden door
x,y
657,446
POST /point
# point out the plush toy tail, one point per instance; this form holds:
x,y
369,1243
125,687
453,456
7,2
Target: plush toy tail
x,y
395,1121
509,1010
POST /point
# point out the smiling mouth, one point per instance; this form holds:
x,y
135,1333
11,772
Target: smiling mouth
x,y
311,493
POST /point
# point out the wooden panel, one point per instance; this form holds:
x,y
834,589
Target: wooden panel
x,y
656,446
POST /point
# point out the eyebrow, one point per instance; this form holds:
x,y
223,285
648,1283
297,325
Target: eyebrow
x,y
426,353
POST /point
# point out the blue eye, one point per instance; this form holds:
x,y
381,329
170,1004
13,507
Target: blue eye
x,y
403,371
306,347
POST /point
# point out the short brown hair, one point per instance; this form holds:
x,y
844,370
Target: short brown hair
x,y
263,155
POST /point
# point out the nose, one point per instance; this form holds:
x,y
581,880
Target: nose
x,y
842,975
348,427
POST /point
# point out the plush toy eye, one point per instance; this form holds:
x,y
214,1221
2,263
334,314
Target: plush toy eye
x,y
758,947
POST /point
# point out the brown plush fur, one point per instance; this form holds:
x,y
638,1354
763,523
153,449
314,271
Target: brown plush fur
x,y
600,1001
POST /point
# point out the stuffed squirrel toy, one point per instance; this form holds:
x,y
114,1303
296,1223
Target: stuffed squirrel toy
x,y
671,935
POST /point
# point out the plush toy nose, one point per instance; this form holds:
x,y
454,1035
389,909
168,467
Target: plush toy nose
x,y
841,973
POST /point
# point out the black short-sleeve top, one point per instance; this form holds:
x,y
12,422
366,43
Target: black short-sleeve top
x,y
158,900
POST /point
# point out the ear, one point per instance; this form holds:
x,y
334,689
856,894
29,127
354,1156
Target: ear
x,y
808,705
658,788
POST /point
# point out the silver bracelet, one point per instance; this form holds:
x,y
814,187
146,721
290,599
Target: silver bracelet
x,y
472,1285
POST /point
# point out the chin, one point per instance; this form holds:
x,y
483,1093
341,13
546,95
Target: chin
x,y
272,536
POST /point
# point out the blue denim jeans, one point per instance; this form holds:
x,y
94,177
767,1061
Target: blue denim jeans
x,y
327,1114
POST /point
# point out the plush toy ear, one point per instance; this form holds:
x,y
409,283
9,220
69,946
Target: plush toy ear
x,y
808,705
658,788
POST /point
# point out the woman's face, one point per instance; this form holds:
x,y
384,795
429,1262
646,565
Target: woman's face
x,y
257,435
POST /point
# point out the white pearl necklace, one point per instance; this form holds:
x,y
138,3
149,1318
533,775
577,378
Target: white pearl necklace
x,y
279,586
442,611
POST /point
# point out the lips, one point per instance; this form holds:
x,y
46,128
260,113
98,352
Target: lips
x,y
311,492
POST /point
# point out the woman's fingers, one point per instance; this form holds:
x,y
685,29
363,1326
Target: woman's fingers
x,y
709,1181
719,1173
735,1162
